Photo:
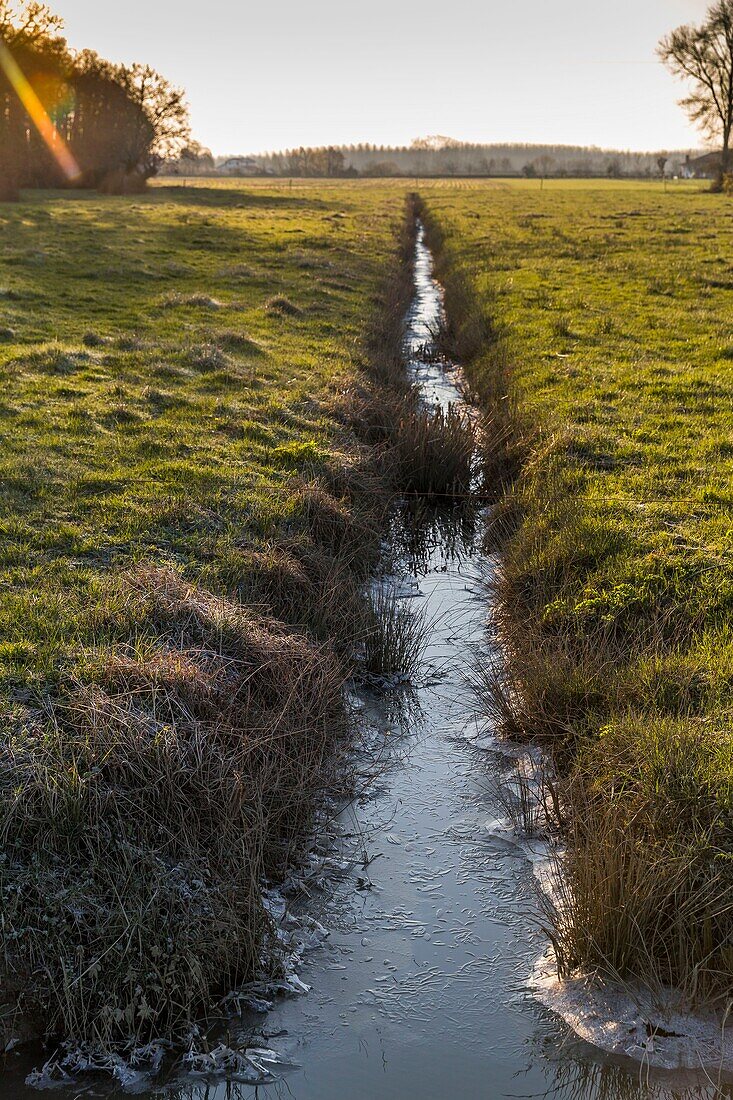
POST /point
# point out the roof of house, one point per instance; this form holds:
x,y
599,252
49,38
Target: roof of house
x,y
707,160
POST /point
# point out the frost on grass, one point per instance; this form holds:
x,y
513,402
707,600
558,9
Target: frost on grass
x,y
135,1066
250,1066
143,807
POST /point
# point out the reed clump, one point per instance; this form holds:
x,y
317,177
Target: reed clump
x,y
433,450
395,637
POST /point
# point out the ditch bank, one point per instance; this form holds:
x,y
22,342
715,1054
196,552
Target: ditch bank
x,y
655,989
414,923
424,889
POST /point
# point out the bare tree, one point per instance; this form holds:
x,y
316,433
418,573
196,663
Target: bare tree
x,y
543,166
162,129
703,55
29,22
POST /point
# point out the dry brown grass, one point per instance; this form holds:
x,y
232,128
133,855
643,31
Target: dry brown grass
x,y
647,886
433,451
174,779
300,584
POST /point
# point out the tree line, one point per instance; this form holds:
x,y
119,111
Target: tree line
x,y
440,157
699,54
74,119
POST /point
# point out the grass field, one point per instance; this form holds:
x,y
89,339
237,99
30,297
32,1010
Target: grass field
x,y
183,538
167,366
605,312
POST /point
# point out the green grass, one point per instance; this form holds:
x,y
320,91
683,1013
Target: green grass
x,y
611,304
154,404
187,521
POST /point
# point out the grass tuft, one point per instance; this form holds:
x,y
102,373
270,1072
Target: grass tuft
x,y
397,634
433,450
282,306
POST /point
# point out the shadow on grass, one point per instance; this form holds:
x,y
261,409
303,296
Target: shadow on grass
x,y
228,197
233,198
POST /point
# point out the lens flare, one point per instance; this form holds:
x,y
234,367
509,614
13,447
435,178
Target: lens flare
x,y
38,114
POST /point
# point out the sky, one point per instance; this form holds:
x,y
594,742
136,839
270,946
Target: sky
x,y
271,74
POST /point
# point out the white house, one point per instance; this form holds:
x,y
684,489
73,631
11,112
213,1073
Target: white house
x,y
705,167
240,166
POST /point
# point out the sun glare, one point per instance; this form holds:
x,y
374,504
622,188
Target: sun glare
x,y
38,114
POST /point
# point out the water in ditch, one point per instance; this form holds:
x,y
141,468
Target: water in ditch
x,y
421,991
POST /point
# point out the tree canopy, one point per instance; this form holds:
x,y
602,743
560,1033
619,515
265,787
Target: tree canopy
x,y
76,119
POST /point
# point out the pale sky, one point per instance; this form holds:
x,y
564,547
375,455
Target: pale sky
x,y
269,74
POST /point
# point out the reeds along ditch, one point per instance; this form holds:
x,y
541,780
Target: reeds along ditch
x,y
174,765
646,888
620,684
419,449
395,637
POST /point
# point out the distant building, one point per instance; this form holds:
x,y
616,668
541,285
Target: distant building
x,y
240,166
705,167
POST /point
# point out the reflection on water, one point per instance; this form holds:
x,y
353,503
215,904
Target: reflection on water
x,y
419,530
420,990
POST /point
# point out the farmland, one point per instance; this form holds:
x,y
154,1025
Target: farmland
x,y
167,366
604,311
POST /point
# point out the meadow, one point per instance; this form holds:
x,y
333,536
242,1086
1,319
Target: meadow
x,y
595,320
167,366
187,522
